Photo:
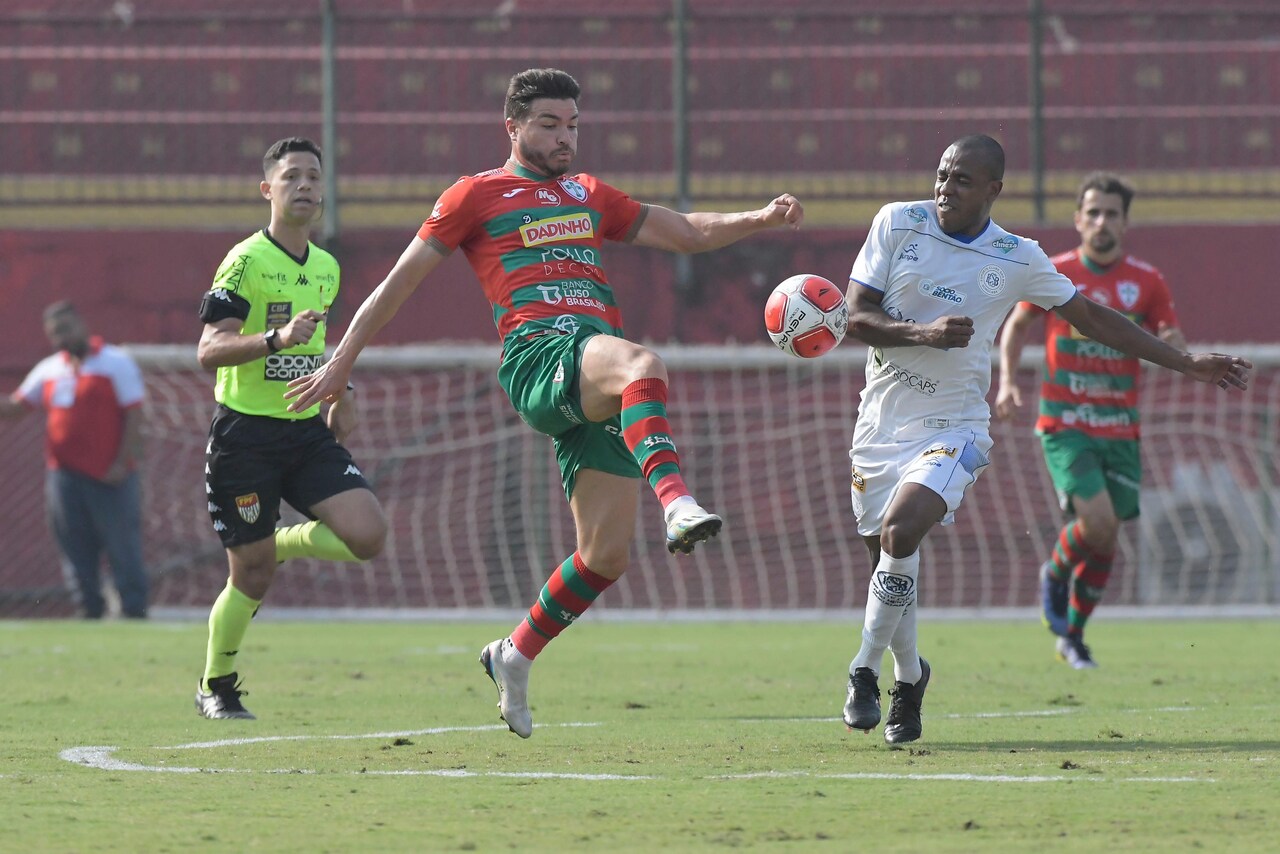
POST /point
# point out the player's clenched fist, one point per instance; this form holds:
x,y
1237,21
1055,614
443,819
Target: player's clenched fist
x,y
948,332
300,329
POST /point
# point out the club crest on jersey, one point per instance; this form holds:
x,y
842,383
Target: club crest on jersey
x,y
577,226
1128,292
249,507
574,189
992,280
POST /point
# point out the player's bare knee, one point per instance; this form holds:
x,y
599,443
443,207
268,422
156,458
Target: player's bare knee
x,y
646,364
369,544
898,539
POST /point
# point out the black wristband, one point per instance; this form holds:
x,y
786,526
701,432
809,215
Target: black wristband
x,y
272,337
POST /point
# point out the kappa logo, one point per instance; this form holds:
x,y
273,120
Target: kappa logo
x,y
214,508
249,507
302,280
218,526
351,469
220,293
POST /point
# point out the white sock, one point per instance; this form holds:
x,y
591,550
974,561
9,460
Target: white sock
x,y
676,504
891,592
906,658
513,657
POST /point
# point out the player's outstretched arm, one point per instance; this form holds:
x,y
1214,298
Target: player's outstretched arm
x,y
872,325
1108,326
330,381
688,233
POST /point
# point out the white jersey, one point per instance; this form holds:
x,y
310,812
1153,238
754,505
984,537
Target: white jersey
x,y
924,274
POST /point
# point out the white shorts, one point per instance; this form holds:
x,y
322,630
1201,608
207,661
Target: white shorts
x,y
947,462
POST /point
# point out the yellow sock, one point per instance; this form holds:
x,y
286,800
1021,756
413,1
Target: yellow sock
x,y
311,539
228,621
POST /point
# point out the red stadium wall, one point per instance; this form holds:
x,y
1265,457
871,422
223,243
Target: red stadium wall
x,y
145,287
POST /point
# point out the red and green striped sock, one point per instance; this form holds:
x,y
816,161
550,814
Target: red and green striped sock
x,y
567,594
1069,552
1088,581
648,434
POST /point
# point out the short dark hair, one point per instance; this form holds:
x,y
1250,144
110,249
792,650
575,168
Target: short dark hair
x,y
991,152
62,306
281,147
527,86
1108,183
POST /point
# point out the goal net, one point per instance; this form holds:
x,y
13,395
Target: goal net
x,y
478,517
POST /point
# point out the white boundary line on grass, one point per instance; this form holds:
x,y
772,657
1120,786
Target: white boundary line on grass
x,y
101,757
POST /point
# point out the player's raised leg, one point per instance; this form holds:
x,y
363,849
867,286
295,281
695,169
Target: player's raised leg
x,y
604,511
621,377
349,526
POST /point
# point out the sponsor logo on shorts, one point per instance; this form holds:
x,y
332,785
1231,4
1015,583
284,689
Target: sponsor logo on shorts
x,y
896,591
944,450
859,482
576,226
283,367
248,507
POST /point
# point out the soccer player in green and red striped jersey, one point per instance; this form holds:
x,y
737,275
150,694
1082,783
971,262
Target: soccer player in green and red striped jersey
x,y
1088,423
532,232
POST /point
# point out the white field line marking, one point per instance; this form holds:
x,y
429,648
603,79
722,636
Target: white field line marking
x,y
962,778
101,758
1031,713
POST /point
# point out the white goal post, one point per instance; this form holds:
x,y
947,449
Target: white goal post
x,y
478,516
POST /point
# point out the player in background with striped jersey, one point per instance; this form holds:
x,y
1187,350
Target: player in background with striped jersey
x,y
1088,423
264,324
532,231
928,292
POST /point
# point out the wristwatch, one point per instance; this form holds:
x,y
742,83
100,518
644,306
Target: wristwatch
x,y
272,337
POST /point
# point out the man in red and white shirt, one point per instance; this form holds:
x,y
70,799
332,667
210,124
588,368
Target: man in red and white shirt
x,y
92,394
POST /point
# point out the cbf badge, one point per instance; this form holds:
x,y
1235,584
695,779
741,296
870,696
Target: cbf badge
x,y
249,507
574,189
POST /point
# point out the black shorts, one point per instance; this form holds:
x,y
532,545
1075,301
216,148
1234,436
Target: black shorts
x,y
254,461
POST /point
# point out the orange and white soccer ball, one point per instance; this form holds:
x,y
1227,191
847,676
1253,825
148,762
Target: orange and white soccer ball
x,y
806,316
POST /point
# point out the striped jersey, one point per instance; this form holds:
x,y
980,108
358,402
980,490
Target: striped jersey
x,y
534,242
925,274
1087,386
262,284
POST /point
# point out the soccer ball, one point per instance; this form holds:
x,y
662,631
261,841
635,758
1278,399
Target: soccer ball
x,y
806,316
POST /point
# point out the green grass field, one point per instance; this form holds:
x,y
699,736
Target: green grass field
x,y
682,736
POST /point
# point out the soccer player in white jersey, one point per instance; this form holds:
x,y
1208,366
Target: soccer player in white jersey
x,y
928,291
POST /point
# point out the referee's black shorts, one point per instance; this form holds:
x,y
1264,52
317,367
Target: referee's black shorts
x,y
254,461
